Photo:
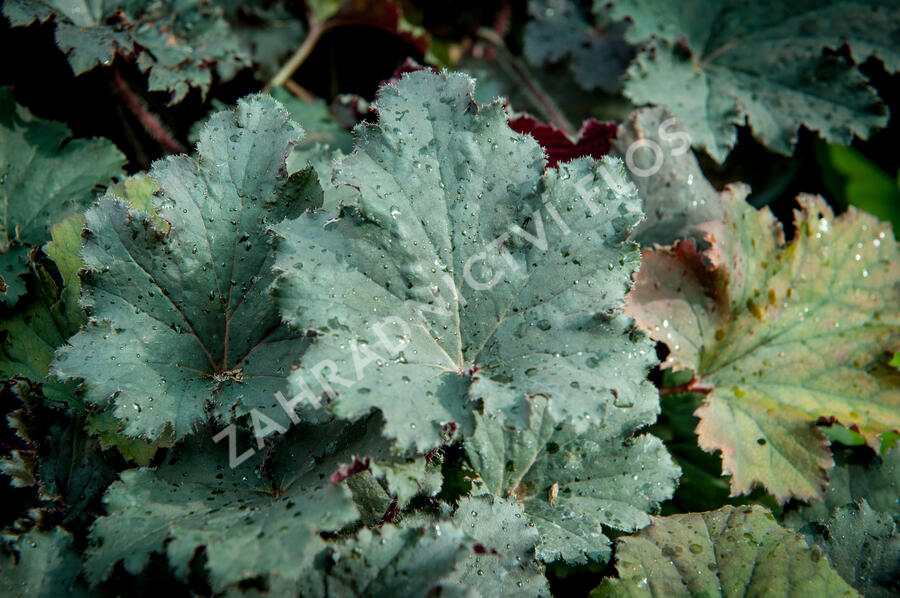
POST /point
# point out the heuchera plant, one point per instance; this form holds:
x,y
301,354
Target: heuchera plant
x,y
431,345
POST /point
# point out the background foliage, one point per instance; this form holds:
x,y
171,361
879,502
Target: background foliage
x,y
682,383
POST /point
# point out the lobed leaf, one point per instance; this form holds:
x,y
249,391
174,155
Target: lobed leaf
x,y
877,481
863,545
181,44
572,484
718,64
463,275
780,334
43,177
260,518
405,561
181,326
13,269
594,44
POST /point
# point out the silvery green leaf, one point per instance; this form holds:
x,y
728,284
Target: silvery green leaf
x,y
463,276
571,485
717,64
181,324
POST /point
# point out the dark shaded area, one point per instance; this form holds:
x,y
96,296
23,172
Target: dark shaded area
x,y
341,62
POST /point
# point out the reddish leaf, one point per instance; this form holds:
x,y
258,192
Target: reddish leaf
x,y
594,140
781,335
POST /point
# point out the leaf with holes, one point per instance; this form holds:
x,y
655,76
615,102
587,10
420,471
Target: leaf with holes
x,y
462,274
181,325
717,64
780,334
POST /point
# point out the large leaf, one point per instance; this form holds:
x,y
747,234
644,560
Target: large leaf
x,y
570,485
43,178
462,275
42,565
780,334
180,43
677,197
181,324
52,314
262,517
718,63
863,545
730,552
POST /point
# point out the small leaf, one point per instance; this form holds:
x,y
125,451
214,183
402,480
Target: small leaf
x,y
13,268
